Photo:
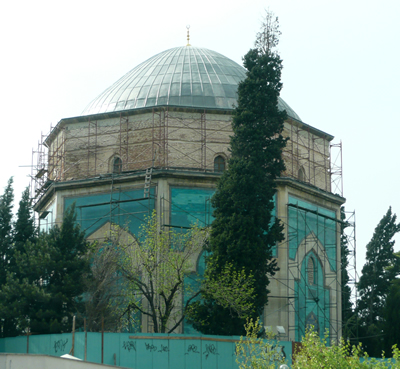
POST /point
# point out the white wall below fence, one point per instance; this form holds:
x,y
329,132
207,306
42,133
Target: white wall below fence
x,y
24,361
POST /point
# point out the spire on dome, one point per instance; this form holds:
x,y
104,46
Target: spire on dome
x,y
188,37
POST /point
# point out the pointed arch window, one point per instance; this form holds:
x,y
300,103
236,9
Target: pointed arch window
x,y
311,272
117,165
219,164
312,322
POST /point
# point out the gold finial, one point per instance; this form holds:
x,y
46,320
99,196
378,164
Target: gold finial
x,y
188,37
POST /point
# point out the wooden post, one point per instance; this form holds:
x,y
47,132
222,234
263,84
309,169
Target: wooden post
x,y
73,337
27,341
84,323
102,339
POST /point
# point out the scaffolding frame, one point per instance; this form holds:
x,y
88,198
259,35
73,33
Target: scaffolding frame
x,y
350,233
39,168
308,151
330,283
94,141
84,152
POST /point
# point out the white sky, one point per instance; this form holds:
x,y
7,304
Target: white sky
x,y
341,74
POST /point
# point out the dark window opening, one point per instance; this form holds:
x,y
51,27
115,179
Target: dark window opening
x,y
219,164
311,272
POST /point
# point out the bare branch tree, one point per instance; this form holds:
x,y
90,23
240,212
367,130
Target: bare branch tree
x,y
268,37
105,298
155,265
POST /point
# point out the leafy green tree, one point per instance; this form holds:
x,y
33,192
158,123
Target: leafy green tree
x,y
232,290
24,296
315,353
46,291
154,266
149,275
244,230
105,298
253,352
374,284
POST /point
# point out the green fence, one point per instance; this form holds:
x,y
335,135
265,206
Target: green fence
x,y
140,351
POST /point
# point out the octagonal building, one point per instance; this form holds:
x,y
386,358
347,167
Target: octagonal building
x,y
158,138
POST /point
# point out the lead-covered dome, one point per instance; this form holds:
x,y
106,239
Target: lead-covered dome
x,y
185,76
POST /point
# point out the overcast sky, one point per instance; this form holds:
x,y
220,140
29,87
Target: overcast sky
x,y
341,74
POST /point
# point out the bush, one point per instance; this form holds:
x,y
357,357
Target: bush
x,y
316,354
253,352
256,353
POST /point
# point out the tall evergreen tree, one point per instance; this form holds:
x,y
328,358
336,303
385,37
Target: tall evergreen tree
x,y
24,228
374,284
6,250
244,230
348,319
392,317
6,237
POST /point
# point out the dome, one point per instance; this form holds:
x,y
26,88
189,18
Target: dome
x,y
185,76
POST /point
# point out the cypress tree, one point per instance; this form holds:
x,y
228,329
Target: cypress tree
x,y
378,271
244,230
347,307
24,229
6,236
392,317
6,252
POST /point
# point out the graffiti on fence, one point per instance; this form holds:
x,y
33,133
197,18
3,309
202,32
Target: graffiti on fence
x,y
210,350
150,347
129,345
280,351
192,348
163,349
59,345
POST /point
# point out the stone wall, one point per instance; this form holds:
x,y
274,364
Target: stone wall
x,y
173,139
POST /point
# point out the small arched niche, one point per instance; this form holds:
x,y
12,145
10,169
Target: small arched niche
x,y
302,174
116,165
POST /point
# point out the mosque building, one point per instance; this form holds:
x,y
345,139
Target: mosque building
x,y
158,138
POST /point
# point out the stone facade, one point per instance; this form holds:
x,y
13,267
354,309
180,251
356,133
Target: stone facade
x,y
166,138
94,160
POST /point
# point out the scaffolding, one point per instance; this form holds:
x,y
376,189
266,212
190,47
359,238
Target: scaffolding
x,y
167,138
336,168
307,156
154,140
350,238
39,169
312,234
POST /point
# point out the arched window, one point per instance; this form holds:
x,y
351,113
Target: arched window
x,y
312,321
302,174
311,272
117,165
219,164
